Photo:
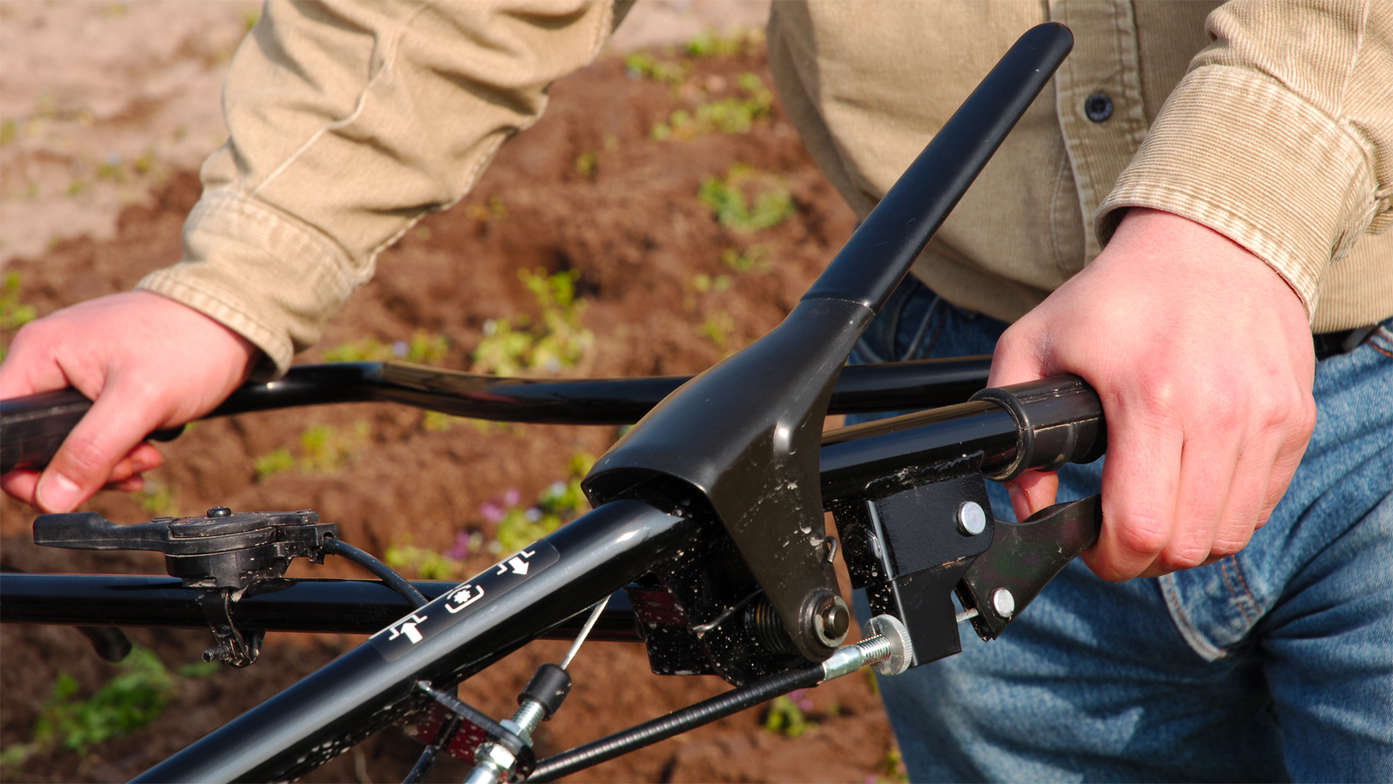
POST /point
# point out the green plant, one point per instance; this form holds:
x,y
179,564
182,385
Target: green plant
x,y
716,328
423,348
753,259
787,717
519,525
157,499
713,44
132,699
13,313
323,449
9,131
892,768
275,462
770,205
554,341
732,114
641,65
707,284
425,564
586,163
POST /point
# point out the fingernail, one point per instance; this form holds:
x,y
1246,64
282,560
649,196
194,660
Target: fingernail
x,y
57,493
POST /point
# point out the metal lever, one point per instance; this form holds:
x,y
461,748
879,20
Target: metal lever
x,y
1023,558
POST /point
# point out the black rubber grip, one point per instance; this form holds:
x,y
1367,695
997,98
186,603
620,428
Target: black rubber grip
x,y
33,427
1060,420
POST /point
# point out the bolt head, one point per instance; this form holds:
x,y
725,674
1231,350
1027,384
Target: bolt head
x,y
1003,602
219,511
972,518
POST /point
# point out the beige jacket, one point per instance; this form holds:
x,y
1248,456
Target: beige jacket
x,y
1271,122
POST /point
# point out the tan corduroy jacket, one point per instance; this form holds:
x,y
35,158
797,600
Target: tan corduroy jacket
x,y
1267,120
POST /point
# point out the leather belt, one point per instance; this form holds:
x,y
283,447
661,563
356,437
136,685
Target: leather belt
x,y
1330,344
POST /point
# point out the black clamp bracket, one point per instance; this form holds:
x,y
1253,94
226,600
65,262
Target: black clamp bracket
x,y
221,553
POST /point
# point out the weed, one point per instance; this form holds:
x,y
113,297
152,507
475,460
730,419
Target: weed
x,y
641,65
706,284
425,564
586,163
553,342
726,197
112,169
716,328
423,348
249,20
753,259
144,163
157,499
324,448
9,131
519,526
891,770
713,44
788,716
276,462
734,114
437,422
76,187
132,699
13,313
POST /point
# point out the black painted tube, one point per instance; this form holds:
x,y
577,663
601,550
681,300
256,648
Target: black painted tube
x,y
33,427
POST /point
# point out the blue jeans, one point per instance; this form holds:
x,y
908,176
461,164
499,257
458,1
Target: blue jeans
x,y
1272,664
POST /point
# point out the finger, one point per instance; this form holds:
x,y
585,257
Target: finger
x,y
20,484
28,370
1032,491
1244,510
1207,471
129,485
1139,486
119,419
144,457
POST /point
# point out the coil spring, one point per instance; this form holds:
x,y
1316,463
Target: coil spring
x,y
763,623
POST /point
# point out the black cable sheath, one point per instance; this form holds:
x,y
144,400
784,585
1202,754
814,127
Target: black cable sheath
x,y
393,580
690,717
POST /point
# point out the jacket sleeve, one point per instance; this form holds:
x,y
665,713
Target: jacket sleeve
x,y
348,121
1280,135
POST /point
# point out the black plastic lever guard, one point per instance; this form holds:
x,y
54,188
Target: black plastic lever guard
x,y
1024,557
220,550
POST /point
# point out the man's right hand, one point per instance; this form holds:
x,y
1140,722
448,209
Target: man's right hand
x,y
146,361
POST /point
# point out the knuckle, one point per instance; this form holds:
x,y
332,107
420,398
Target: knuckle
x,y
1228,544
1183,556
83,459
1142,534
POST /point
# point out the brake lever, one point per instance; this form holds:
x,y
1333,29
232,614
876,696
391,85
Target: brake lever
x,y
1022,558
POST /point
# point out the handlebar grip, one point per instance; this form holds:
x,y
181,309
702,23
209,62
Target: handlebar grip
x,y
34,426
1059,420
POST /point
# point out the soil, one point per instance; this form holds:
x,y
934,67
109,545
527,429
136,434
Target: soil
x,y
630,225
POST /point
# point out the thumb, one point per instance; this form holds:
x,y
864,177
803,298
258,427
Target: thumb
x,y
1018,359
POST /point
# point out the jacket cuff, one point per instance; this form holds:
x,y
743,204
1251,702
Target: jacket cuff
x,y
260,272
1236,151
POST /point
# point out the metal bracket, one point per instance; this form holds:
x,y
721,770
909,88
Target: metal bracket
x,y
231,645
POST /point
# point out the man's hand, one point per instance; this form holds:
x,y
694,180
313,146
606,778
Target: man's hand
x,y
147,362
1201,355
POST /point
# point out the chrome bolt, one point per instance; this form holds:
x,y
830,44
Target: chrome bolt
x,y
1004,602
972,519
219,511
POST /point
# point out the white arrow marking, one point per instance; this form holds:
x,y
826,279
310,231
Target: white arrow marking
x,y
519,565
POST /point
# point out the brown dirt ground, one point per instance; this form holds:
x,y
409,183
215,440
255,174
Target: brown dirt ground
x,y
638,237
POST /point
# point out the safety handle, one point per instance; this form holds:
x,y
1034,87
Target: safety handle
x,y
34,426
